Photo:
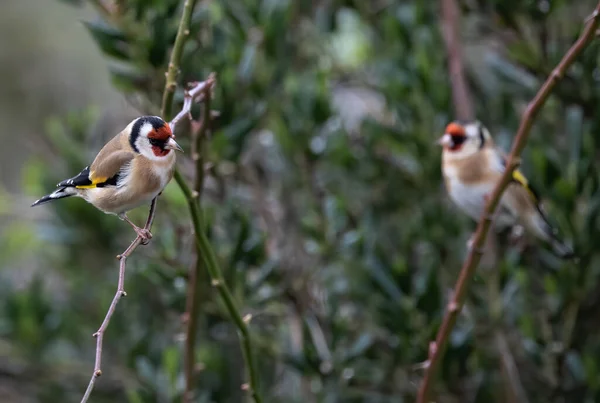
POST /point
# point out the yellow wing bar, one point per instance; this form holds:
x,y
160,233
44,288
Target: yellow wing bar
x,y
94,182
521,179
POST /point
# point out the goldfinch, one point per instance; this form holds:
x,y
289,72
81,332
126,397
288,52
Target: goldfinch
x,y
130,170
471,167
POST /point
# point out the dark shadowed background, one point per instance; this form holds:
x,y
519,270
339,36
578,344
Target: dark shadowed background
x,y
323,198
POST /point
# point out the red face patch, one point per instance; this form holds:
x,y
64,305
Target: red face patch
x,y
457,132
163,133
454,129
159,152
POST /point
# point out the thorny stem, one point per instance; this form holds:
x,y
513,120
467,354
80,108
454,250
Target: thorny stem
x,y
461,98
470,264
99,335
171,76
211,263
206,251
194,280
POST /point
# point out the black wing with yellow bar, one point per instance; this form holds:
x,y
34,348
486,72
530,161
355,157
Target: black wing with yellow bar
x,y
82,181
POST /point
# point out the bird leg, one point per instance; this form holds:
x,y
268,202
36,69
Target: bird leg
x,y
143,233
470,241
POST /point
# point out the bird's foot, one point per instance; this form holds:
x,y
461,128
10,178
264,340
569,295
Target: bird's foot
x,y
143,233
470,242
516,233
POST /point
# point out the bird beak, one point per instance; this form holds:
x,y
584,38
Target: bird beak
x,y
172,145
445,140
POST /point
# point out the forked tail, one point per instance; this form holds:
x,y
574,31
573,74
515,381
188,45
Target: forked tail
x,y
546,231
59,193
563,250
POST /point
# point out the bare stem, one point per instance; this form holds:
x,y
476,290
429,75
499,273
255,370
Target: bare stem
x,y
171,80
99,335
205,249
451,34
211,263
194,93
470,264
194,278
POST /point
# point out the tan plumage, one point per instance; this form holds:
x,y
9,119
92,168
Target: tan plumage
x,y
130,170
472,165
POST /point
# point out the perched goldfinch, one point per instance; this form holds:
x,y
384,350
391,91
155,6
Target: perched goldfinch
x,y
130,170
472,165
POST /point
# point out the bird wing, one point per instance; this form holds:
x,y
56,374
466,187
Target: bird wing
x,y
524,198
519,178
100,173
105,169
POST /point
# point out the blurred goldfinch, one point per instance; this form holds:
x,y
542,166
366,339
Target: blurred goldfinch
x,y
472,165
130,170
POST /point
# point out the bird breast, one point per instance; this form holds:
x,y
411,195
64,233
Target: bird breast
x,y
469,197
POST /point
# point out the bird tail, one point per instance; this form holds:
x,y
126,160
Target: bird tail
x,y
561,249
59,193
547,232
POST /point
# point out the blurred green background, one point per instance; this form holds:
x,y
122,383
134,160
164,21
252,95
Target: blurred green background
x,y
323,197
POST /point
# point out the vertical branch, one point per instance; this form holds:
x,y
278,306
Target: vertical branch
x,y
209,258
210,261
193,290
461,98
171,76
460,291
198,142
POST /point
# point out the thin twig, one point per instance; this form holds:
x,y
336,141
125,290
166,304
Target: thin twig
x,y
207,253
199,138
99,335
171,76
461,98
193,289
460,291
511,370
191,95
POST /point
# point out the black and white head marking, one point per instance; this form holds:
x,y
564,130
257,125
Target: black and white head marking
x,y
139,140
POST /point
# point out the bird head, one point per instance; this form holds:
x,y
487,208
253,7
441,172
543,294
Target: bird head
x,y
152,137
464,138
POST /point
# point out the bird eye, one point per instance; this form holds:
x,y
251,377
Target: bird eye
x,y
157,142
458,140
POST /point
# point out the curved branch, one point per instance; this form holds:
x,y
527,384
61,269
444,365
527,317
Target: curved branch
x,y
210,261
205,249
454,307
99,335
